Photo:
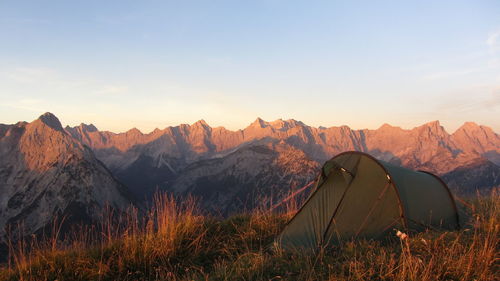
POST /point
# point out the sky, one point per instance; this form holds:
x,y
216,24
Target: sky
x,y
148,64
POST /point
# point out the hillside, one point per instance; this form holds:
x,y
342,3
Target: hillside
x,y
185,245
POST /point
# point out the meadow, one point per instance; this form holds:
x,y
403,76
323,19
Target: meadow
x,y
174,241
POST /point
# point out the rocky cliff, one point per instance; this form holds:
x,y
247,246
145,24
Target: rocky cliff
x,y
46,173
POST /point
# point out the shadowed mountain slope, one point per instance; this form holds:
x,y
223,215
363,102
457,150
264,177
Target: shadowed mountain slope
x,y
253,176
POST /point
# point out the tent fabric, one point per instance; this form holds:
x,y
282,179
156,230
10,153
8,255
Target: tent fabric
x,y
358,196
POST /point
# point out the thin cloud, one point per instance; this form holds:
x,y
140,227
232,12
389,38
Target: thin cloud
x,y
30,74
41,77
24,21
50,81
479,104
451,74
493,41
119,19
472,102
112,90
30,101
491,55
28,104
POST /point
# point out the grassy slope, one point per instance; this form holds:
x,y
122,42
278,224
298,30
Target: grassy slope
x,y
174,243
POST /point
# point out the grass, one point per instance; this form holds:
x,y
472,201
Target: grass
x,y
174,242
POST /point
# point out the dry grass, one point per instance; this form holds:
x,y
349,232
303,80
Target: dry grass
x,y
174,242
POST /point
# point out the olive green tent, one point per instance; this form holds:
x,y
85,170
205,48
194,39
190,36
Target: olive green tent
x,y
358,196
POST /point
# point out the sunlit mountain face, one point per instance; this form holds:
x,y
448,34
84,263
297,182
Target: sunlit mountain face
x,y
155,160
46,173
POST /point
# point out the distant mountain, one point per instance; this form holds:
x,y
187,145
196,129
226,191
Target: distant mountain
x,y
45,172
476,139
161,156
477,176
252,176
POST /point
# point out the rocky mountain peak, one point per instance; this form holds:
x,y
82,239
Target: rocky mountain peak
x,y
51,121
88,128
259,123
156,131
467,128
284,125
475,138
433,124
469,125
201,123
134,131
433,127
387,127
280,124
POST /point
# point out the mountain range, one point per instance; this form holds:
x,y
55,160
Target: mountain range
x,y
47,170
160,156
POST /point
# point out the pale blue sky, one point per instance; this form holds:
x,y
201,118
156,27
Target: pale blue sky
x,y
147,64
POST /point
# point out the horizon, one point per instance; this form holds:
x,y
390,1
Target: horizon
x,y
64,125
148,65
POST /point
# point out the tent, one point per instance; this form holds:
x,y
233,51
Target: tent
x,y
358,196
